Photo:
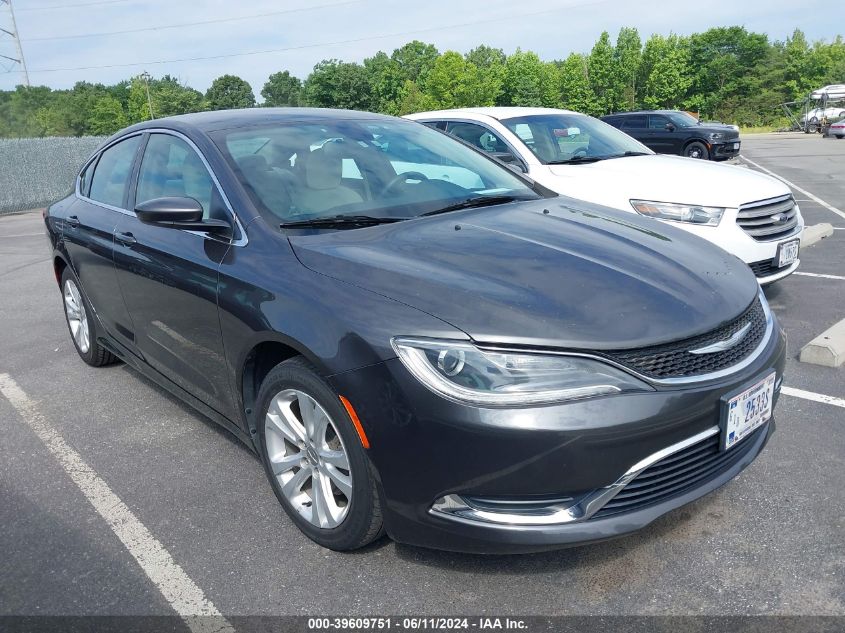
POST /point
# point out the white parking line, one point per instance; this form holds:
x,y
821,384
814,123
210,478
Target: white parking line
x,y
811,196
815,397
186,598
820,275
23,235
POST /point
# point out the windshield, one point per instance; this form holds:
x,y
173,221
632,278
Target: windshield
x,y
682,119
559,138
378,169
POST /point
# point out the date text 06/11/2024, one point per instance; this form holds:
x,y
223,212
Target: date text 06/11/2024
x,y
415,624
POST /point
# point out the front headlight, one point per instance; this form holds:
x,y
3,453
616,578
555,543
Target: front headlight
x,y
693,213
715,136
466,374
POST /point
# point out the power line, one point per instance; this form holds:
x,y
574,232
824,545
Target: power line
x,y
50,7
184,24
320,44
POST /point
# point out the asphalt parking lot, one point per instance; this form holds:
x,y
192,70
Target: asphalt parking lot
x,y
770,542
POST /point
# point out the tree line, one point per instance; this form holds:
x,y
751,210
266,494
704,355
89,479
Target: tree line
x,y
725,73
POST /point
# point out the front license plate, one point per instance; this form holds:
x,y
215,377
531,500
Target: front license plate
x,y
787,252
748,411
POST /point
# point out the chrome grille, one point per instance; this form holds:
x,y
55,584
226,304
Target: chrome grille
x,y
675,360
678,473
767,220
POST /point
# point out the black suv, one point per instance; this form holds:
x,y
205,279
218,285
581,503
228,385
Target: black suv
x,y
674,132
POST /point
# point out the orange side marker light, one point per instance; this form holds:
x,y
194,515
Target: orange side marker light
x,y
361,435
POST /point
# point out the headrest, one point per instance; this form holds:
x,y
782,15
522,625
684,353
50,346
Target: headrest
x,y
324,168
253,163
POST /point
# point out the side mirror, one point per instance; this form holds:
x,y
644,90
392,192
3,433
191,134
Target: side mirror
x,y
670,126
178,213
505,157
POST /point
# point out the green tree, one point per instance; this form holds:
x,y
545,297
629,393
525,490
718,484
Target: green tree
x,y
107,116
523,84
384,76
663,72
282,90
722,63
487,58
605,78
337,84
413,99
575,91
453,82
414,60
228,92
626,55
170,97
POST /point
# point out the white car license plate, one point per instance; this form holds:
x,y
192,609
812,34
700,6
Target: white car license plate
x,y
736,145
748,411
788,252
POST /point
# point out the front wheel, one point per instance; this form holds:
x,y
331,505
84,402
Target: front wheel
x,y
314,459
696,150
81,323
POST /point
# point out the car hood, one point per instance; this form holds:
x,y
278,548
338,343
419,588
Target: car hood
x,y
661,178
554,273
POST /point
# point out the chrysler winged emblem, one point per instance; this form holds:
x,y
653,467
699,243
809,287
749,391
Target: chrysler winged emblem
x,y
720,346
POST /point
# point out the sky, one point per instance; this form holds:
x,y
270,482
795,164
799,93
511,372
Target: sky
x,y
68,41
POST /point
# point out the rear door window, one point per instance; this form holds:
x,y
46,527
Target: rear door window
x,y
634,122
111,175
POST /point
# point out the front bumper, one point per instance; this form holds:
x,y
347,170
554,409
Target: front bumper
x,y
424,448
725,150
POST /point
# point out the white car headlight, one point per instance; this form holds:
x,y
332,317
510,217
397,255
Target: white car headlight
x,y
693,213
463,373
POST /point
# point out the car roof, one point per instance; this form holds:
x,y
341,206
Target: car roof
x,y
642,112
498,113
227,119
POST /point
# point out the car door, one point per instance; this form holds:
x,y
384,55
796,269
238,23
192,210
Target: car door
x,y
636,126
666,140
169,276
88,233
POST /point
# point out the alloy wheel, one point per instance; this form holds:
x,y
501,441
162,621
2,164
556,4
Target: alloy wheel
x,y
77,317
308,459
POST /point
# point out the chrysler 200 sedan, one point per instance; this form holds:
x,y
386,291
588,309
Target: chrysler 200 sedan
x,y
414,339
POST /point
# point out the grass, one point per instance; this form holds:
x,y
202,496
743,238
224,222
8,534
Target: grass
x,y
760,129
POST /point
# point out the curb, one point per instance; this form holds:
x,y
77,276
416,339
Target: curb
x,y
827,349
815,233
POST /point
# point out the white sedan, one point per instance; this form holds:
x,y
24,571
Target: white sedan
x,y
747,213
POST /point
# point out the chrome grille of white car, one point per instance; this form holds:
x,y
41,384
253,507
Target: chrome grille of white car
x,y
770,219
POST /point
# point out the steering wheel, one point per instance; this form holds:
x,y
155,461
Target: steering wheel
x,y
581,151
403,179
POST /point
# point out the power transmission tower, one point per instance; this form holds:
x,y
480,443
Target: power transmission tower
x,y
7,9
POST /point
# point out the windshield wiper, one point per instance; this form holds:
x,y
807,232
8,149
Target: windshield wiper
x,y
624,154
340,220
577,160
470,203
593,159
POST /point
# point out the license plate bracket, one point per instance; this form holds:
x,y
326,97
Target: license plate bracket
x,y
744,411
787,253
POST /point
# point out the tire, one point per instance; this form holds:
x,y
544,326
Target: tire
x,y
839,136
696,149
81,323
293,455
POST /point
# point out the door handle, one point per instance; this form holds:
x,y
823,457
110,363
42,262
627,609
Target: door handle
x,y
126,238
72,221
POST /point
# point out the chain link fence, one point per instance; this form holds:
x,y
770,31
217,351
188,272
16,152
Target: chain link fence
x,y
35,172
